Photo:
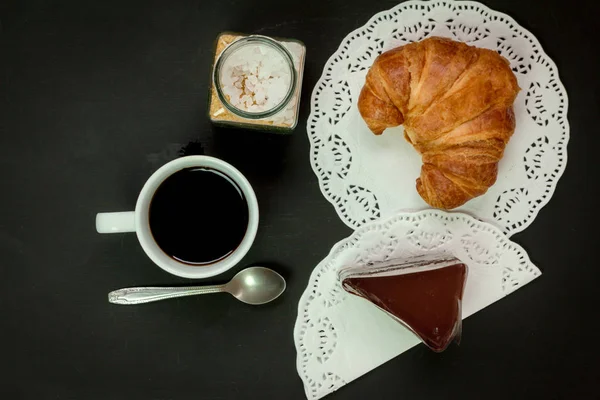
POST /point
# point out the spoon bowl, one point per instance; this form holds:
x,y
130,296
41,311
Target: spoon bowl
x,y
256,285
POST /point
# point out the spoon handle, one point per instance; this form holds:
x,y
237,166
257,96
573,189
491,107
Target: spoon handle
x,y
138,295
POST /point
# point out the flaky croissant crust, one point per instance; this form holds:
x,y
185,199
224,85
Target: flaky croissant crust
x,y
456,104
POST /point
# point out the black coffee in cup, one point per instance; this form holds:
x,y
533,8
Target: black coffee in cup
x,y
198,216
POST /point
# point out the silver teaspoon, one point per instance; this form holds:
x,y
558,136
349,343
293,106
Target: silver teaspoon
x,y
254,285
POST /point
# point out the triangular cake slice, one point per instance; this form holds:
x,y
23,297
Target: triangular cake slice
x,y
423,293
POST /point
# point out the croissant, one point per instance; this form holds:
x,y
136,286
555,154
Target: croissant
x,y
456,104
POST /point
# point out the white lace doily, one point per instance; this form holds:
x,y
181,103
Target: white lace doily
x,y
367,177
340,337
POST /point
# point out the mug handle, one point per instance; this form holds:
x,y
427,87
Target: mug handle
x,y
115,222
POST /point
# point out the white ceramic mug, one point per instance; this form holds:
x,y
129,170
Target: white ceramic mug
x,y
137,221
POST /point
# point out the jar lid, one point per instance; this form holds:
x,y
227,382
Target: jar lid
x,y
235,47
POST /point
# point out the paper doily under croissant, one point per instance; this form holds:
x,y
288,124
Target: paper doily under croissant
x,y
367,177
340,337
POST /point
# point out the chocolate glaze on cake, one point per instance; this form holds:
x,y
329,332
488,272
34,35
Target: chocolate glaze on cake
x,y
424,294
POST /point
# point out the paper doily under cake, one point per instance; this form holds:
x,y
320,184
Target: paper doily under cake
x,y
340,337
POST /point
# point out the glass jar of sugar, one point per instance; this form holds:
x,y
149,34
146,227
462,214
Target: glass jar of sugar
x,y
256,82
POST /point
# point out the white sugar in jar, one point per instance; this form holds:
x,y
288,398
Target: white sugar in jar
x,y
256,83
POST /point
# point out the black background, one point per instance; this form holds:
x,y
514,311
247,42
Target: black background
x,y
96,95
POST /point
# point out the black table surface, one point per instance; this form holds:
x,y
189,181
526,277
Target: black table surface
x,y
97,95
